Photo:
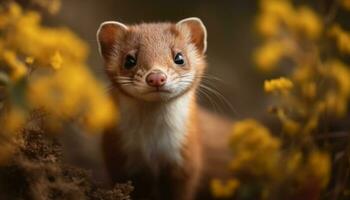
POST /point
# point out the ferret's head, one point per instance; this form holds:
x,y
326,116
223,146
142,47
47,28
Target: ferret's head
x,y
154,61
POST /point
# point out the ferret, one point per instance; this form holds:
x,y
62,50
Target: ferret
x,y
155,70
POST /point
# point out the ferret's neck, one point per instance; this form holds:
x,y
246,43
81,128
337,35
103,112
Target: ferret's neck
x,y
163,110
155,130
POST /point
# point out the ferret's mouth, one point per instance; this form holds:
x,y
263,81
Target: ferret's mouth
x,y
158,91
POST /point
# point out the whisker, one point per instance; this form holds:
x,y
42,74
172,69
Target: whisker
x,y
120,78
208,89
220,97
212,102
123,81
207,97
204,76
125,84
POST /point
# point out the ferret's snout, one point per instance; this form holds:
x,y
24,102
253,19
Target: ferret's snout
x,y
156,79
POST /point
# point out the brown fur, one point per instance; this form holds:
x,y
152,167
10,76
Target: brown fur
x,y
155,45
169,182
158,43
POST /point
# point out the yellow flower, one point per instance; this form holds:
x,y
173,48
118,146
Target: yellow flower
x,y
281,9
289,125
224,190
281,85
13,11
341,74
256,152
28,37
309,22
17,68
72,92
56,60
267,56
335,104
318,166
293,162
29,60
12,120
343,42
268,25
336,98
346,4
53,6
303,73
311,123
309,89
342,38
101,116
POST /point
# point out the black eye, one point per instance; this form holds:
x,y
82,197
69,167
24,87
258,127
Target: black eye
x,y
179,59
130,62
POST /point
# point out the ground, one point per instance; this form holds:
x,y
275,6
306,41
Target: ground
x,y
37,171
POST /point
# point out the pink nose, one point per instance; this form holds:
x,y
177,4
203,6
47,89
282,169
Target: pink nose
x,y
156,79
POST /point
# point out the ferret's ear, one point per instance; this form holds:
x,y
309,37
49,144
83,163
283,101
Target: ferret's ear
x,y
109,35
197,30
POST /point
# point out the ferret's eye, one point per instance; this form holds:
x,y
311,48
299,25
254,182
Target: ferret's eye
x,y
179,59
130,62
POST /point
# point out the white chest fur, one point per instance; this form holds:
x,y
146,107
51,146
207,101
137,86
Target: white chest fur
x,y
153,132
